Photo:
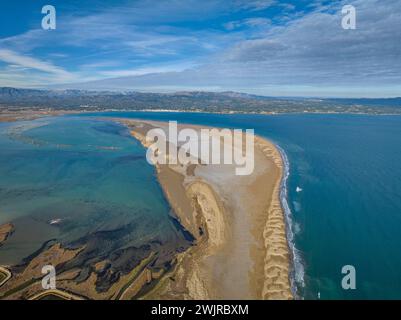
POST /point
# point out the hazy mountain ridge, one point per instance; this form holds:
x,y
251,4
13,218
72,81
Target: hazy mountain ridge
x,y
72,99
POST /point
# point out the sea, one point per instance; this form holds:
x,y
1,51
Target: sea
x,y
341,191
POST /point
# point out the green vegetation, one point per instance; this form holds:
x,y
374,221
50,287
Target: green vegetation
x,y
18,288
135,273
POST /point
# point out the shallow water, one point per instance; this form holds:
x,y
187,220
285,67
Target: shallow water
x,y
67,178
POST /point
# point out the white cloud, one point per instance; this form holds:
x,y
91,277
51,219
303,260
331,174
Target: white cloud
x,y
14,58
315,49
255,5
312,53
147,70
250,22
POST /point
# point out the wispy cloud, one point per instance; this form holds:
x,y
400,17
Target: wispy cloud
x,y
250,22
255,5
132,37
315,49
14,58
147,70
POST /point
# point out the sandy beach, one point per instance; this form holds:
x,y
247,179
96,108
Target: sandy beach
x,y
240,249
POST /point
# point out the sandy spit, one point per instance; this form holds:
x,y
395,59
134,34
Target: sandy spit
x,y
241,249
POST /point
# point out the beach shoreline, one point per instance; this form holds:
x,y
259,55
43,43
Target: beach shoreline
x,y
241,249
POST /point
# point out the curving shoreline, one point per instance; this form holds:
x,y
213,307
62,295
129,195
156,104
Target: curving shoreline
x,y
241,249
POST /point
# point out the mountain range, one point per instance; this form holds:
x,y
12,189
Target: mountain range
x,y
68,99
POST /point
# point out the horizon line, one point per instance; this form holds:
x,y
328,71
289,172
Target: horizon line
x,y
201,91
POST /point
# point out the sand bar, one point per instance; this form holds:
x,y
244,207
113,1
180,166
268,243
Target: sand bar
x,y
241,249
5,231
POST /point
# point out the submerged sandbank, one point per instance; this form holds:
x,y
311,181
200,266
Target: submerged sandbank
x,y
5,231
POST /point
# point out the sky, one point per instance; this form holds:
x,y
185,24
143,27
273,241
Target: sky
x,y
265,47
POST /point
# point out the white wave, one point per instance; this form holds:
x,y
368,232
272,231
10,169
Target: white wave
x,y
54,221
297,273
297,206
298,189
297,228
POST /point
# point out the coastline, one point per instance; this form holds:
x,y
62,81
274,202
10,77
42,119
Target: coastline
x,y
33,114
297,272
241,249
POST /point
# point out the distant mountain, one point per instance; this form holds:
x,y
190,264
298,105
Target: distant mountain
x,y
8,92
72,99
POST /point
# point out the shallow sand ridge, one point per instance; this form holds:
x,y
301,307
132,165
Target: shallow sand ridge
x,y
241,248
5,231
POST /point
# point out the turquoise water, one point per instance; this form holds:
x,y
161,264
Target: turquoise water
x,y
349,209
80,181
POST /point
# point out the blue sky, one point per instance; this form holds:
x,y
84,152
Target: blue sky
x,y
267,47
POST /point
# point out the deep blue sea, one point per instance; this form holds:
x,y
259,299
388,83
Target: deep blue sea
x,y
344,187
349,209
